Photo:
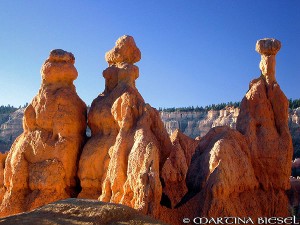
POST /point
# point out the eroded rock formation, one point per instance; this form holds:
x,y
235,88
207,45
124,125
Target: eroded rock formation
x,y
263,120
175,168
130,158
3,157
192,124
41,165
121,162
246,172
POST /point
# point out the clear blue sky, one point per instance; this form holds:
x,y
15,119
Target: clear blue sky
x,y
193,52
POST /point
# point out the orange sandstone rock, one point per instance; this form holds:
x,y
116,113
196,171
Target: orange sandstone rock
x,y
125,51
246,172
41,165
175,168
121,162
130,159
263,120
3,157
268,49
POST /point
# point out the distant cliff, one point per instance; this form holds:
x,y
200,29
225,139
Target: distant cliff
x,y
294,124
198,123
191,123
10,128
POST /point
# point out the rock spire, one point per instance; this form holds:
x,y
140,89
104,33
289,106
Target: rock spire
x,y
268,48
42,163
121,162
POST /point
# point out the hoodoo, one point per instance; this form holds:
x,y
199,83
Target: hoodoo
x,y
245,173
121,162
41,164
131,160
263,120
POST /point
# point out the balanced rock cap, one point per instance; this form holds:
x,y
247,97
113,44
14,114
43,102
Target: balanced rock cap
x,y
59,67
125,51
268,46
59,55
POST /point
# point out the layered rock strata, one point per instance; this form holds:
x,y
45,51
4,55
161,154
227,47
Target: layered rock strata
x,y
121,162
11,129
194,124
42,163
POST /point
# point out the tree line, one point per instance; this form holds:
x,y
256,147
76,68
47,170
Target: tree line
x,y
201,108
6,109
293,104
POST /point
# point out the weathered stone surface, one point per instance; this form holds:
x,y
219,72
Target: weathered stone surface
x,y
121,162
41,164
245,172
268,46
81,211
125,51
175,168
59,68
294,195
192,124
263,120
220,169
268,49
3,157
130,159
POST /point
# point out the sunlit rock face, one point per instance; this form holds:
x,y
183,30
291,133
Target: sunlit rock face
x,y
121,162
128,161
41,164
130,158
263,120
245,172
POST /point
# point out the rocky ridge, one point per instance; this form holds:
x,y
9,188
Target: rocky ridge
x,y
197,124
194,124
10,129
81,211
